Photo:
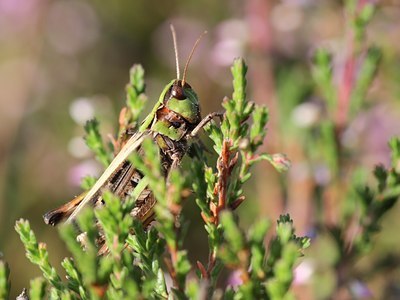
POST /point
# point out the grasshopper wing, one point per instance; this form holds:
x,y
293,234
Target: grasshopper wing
x,y
131,145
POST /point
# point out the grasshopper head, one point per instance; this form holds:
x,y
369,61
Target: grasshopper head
x,y
181,99
177,91
177,109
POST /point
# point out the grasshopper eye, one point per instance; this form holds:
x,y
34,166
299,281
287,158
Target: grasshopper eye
x,y
177,92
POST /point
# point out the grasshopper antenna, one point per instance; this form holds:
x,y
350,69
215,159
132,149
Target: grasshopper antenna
x,y
176,51
190,57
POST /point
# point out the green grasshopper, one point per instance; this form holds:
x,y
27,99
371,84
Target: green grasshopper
x,y
173,121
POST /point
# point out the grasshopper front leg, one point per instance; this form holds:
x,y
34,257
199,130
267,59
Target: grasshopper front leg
x,y
204,122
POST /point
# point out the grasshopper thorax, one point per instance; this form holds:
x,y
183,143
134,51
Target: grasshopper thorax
x,y
178,111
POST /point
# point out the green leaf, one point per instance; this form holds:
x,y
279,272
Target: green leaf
x,y
232,233
37,290
182,267
322,74
364,80
88,182
258,130
95,142
4,280
394,144
74,277
135,97
37,254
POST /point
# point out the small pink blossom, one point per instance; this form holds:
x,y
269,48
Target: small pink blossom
x,y
280,161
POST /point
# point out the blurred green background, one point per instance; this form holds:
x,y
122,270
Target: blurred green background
x,y
64,62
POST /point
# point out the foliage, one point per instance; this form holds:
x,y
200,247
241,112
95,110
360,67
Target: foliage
x,y
348,206
138,260
4,281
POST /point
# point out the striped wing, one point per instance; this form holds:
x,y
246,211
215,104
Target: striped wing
x,y
131,145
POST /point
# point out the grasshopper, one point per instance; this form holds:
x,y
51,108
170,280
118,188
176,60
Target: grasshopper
x,y
173,121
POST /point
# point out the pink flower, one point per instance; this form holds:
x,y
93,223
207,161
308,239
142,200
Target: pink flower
x,y
280,162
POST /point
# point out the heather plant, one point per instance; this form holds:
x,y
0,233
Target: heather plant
x,y
348,200
151,262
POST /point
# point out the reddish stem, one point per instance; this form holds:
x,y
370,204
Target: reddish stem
x,y
346,85
223,174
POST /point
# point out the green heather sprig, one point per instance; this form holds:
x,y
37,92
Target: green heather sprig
x,y
283,255
95,142
4,279
37,289
38,255
323,76
115,257
360,14
345,96
367,73
135,98
375,202
148,248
